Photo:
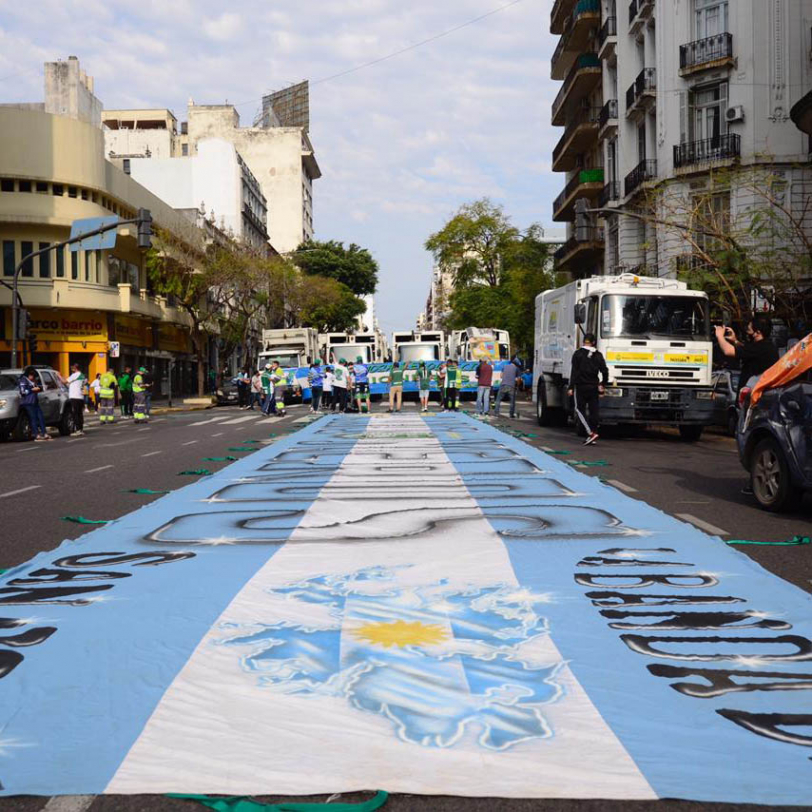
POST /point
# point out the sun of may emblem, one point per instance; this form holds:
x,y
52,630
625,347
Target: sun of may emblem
x,y
401,634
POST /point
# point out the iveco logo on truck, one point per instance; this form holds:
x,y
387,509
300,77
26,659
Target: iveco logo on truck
x,y
656,373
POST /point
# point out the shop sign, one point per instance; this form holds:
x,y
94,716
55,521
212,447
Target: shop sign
x,y
133,332
172,338
65,325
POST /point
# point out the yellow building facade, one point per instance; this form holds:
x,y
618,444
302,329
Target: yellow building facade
x,y
53,171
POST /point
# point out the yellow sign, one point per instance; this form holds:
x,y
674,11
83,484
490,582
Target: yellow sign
x,y
629,356
686,358
65,325
172,338
133,332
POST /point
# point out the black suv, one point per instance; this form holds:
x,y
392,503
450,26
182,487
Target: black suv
x,y
775,444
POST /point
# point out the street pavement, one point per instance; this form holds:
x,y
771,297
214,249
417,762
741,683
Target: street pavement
x,y
699,483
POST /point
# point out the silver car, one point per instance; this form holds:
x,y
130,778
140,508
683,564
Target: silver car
x,y
53,399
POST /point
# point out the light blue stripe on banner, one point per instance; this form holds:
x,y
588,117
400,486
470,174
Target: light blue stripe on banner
x,y
96,662
698,659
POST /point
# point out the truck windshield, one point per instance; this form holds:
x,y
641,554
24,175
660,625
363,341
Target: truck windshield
x,y
654,317
286,359
418,352
349,352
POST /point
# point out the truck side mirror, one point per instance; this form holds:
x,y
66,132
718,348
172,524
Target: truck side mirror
x,y
580,313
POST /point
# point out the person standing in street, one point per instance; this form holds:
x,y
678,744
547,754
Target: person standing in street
x,y
442,371
757,355
94,387
149,386
341,380
423,385
76,388
484,376
107,397
329,380
266,379
280,383
395,387
453,383
507,388
125,389
362,385
140,413
588,377
29,399
243,388
257,395
315,379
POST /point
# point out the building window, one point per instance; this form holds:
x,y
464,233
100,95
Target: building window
x,y
60,261
711,217
90,264
126,166
184,150
711,17
84,194
28,266
6,185
42,188
641,142
99,267
74,264
73,191
9,260
708,108
44,262
57,190
135,285
94,198
113,271
614,244
24,186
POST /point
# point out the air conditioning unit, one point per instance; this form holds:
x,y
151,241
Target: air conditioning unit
x,y
734,114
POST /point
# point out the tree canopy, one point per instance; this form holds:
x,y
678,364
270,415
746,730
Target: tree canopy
x,y
353,267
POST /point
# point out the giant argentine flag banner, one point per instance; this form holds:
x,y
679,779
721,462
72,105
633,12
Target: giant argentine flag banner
x,y
418,605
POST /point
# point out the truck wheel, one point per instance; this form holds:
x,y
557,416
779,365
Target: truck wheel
x,y
66,424
732,423
770,477
22,431
543,414
690,434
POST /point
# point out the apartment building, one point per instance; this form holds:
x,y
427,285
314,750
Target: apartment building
x,y
142,134
657,98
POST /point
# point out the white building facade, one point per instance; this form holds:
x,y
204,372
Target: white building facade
x,y
657,98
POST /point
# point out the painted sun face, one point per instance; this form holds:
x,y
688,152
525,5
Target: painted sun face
x,y
401,634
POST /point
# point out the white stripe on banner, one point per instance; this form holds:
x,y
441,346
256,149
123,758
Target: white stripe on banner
x,y
345,664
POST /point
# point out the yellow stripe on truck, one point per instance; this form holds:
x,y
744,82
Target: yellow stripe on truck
x,y
698,358
629,356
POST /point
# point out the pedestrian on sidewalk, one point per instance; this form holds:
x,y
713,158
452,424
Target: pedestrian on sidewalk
x,y
30,388
442,371
424,385
257,394
362,385
395,387
95,385
125,389
315,380
351,405
107,397
327,394
243,388
453,383
588,377
140,413
341,377
507,387
484,376
76,399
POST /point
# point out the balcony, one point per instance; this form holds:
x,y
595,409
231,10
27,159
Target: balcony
x,y
607,39
581,81
610,194
580,257
642,92
562,9
639,13
586,183
706,54
581,132
586,16
644,172
607,120
726,147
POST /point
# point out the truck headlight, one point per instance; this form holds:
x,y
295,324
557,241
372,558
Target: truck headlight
x,y
613,392
704,394
3,403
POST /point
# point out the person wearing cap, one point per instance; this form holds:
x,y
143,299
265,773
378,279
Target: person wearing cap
x,y
340,384
280,383
266,380
453,383
327,395
107,397
315,380
140,397
362,385
395,388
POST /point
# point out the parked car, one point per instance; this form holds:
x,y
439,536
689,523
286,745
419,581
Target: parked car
x,y
775,443
53,399
228,394
725,400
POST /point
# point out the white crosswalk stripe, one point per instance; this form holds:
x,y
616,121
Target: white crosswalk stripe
x,y
242,419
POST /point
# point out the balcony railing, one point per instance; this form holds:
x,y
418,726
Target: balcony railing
x,y
610,192
582,177
593,234
585,115
644,171
608,29
719,148
564,44
646,82
559,9
704,51
640,8
583,61
608,112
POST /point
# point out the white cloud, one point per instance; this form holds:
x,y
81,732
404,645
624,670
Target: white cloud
x,y
225,27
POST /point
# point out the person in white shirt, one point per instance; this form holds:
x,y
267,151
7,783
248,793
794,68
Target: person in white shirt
x,y
95,386
76,395
257,393
340,384
327,396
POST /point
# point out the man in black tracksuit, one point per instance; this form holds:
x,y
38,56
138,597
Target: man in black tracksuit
x,y
588,378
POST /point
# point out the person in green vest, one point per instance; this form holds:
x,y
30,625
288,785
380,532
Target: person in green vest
x,y
424,377
140,397
125,388
395,388
107,397
453,382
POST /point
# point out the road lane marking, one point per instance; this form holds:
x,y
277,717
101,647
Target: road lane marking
x,y
69,803
708,528
191,442
19,490
30,448
210,420
219,434
240,420
622,486
113,445
152,453
146,429
100,468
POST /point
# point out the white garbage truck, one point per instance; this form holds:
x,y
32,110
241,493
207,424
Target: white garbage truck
x,y
293,347
415,345
655,336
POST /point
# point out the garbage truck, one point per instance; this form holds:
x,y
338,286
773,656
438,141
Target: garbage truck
x,y
475,343
655,336
416,345
295,348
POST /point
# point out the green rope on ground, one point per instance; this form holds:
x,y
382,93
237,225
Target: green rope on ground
x,y
530,435
219,459
196,472
251,441
589,463
559,453
83,520
237,448
246,804
793,542
3,571
145,491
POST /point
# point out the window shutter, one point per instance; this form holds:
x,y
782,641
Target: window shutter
x,y
683,117
723,107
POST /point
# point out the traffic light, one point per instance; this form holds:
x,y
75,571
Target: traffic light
x,y
32,344
583,224
144,229
23,320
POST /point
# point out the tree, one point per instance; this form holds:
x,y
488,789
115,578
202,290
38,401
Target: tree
x,y
353,267
474,243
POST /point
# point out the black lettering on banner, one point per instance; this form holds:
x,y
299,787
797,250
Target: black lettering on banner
x,y
600,561
9,660
721,682
47,575
683,621
32,637
642,645
770,724
648,579
619,599
19,596
136,559
632,551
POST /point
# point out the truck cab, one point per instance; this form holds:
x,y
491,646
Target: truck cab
x,y
416,346
352,345
655,336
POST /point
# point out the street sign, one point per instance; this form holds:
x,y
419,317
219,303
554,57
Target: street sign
x,y
115,349
106,240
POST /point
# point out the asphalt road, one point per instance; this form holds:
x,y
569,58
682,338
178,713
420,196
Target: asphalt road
x,y
91,477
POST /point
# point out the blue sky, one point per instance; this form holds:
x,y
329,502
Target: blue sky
x,y
401,145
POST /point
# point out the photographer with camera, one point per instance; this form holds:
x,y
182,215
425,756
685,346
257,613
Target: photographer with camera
x,y
755,356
